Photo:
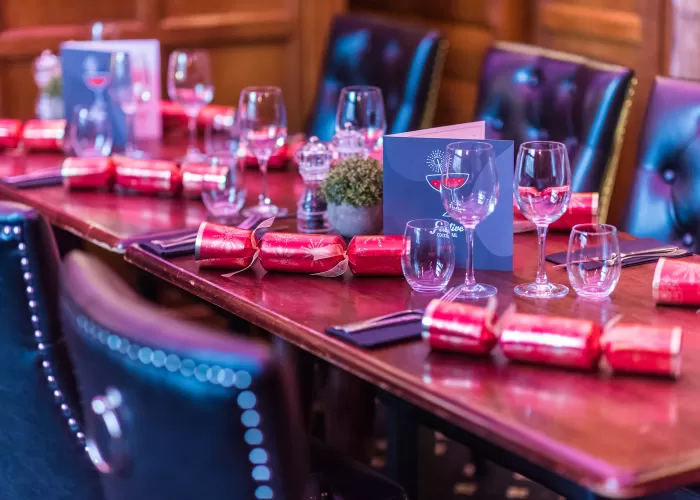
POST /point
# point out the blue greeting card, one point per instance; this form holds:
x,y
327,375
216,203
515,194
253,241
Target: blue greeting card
x,y
412,166
86,83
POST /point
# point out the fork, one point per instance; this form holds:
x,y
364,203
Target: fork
x,y
658,252
396,317
247,223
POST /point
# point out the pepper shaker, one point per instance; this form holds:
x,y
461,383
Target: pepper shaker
x,y
314,160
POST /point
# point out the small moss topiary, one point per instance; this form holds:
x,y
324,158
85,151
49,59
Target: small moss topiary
x,y
355,181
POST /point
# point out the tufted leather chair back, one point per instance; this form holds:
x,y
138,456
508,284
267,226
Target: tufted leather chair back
x,y
528,93
403,60
40,436
201,413
664,201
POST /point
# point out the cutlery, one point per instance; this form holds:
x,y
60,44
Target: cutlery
x,y
247,223
396,318
656,252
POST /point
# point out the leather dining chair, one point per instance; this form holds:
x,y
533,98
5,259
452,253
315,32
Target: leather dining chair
x,y
529,93
176,410
664,200
40,435
403,60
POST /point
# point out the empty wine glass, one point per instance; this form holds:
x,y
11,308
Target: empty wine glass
x,y
427,256
542,190
123,92
469,190
262,121
593,260
190,85
90,132
362,107
224,196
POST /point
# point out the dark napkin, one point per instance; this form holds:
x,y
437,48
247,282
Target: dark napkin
x,y
173,251
42,178
377,336
626,246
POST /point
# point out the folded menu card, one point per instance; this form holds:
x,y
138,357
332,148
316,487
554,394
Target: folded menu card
x,y
412,166
87,80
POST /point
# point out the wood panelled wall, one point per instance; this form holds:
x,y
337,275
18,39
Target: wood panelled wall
x,y
263,42
627,32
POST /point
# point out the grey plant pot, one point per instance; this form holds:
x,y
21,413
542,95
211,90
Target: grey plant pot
x,y
350,221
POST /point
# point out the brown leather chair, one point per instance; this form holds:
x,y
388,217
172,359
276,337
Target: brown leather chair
x,y
179,411
403,60
41,438
664,200
529,93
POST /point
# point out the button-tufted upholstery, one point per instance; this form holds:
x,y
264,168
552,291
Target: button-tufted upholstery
x,y
404,61
203,414
664,201
528,93
40,438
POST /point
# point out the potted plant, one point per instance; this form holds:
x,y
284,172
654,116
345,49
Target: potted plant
x,y
353,191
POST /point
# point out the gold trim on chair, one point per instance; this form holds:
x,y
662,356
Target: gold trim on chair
x,y
434,88
610,172
606,189
558,55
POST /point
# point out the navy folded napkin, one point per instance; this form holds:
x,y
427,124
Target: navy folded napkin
x,y
626,246
377,336
178,250
51,177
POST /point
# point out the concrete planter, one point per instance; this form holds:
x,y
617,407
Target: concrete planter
x,y
349,220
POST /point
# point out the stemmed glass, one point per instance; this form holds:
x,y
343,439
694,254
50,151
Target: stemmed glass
x,y
362,108
542,189
262,122
469,190
129,88
190,85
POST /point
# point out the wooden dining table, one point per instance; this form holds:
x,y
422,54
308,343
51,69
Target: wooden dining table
x,y
580,433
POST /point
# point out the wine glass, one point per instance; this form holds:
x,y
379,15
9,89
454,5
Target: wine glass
x,y
190,85
125,93
542,190
362,108
469,190
262,122
90,132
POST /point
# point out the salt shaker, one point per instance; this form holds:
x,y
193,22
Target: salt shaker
x,y
348,143
314,160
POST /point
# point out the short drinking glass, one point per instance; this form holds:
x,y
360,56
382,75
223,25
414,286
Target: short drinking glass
x,y
593,260
542,190
469,190
224,197
90,132
428,255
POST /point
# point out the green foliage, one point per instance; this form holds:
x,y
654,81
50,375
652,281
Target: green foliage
x,y
355,181
54,88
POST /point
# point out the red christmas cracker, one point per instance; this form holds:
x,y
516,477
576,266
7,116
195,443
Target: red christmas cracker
x,y
148,176
676,282
375,255
320,255
80,173
459,327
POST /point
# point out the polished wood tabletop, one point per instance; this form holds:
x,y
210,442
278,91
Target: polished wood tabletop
x,y
620,437
115,221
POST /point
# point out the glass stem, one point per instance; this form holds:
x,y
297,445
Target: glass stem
x,y
469,280
129,147
541,240
192,126
262,162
